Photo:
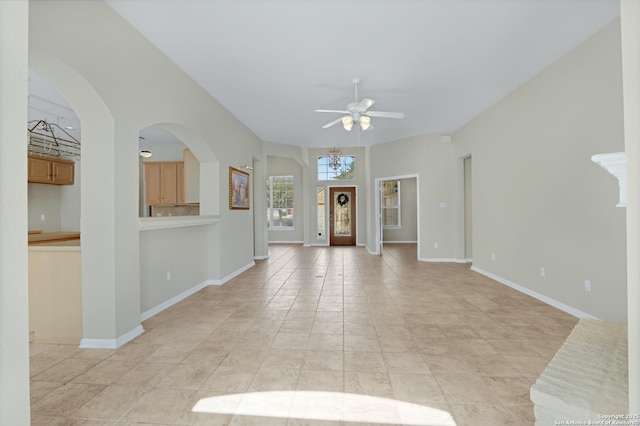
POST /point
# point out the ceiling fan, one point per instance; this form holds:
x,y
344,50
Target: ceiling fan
x,y
358,112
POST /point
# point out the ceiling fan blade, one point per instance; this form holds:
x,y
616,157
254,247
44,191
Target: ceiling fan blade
x,y
332,110
333,123
385,114
365,104
370,128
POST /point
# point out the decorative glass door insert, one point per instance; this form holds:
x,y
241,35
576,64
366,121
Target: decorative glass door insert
x,y
342,216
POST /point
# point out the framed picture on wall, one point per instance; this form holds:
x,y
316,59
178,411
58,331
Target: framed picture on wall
x,y
238,189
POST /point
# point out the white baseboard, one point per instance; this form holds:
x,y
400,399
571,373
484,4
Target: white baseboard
x,y
399,242
175,299
264,257
111,343
438,259
541,297
285,242
231,275
116,343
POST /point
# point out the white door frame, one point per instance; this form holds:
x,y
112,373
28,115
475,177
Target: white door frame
x,y
378,209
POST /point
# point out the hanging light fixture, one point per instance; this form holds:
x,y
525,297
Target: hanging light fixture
x,y
334,156
144,153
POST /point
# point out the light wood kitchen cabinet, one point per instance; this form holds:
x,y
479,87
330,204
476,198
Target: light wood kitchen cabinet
x,y
62,173
51,171
152,183
164,183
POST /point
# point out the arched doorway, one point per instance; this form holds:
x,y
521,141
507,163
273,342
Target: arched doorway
x,y
54,199
99,324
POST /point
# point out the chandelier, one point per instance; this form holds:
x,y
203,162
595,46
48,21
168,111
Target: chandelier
x,y
334,158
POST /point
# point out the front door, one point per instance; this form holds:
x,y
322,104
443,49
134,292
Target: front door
x,y
342,216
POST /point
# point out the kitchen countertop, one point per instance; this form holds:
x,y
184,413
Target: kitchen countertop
x,y
54,238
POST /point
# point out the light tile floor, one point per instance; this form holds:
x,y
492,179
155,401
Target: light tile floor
x,y
316,336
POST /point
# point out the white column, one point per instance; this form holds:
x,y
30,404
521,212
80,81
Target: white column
x,y
260,250
630,23
14,297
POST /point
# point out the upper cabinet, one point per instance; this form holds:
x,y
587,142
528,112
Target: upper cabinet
x,y
50,171
152,183
164,182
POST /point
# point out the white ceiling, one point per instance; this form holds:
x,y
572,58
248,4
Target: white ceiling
x,y
441,62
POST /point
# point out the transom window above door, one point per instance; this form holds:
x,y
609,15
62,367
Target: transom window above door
x,y
345,170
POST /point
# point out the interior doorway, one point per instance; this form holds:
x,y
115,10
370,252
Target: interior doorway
x,y
388,205
342,216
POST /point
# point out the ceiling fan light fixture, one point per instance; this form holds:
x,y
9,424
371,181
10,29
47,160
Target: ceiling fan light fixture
x,y
365,122
347,123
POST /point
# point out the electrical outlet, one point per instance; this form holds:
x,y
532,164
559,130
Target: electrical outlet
x,y
587,285
168,275
542,271
435,245
493,256
43,217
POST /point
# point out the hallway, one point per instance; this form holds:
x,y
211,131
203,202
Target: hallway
x,y
319,335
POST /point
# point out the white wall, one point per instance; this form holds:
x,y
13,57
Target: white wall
x,y
14,301
182,252
166,153
70,201
538,199
467,202
630,28
431,160
44,200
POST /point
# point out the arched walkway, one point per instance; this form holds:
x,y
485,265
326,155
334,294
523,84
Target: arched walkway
x,y
105,320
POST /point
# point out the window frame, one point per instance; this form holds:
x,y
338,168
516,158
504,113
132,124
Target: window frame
x,y
328,171
270,208
397,207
